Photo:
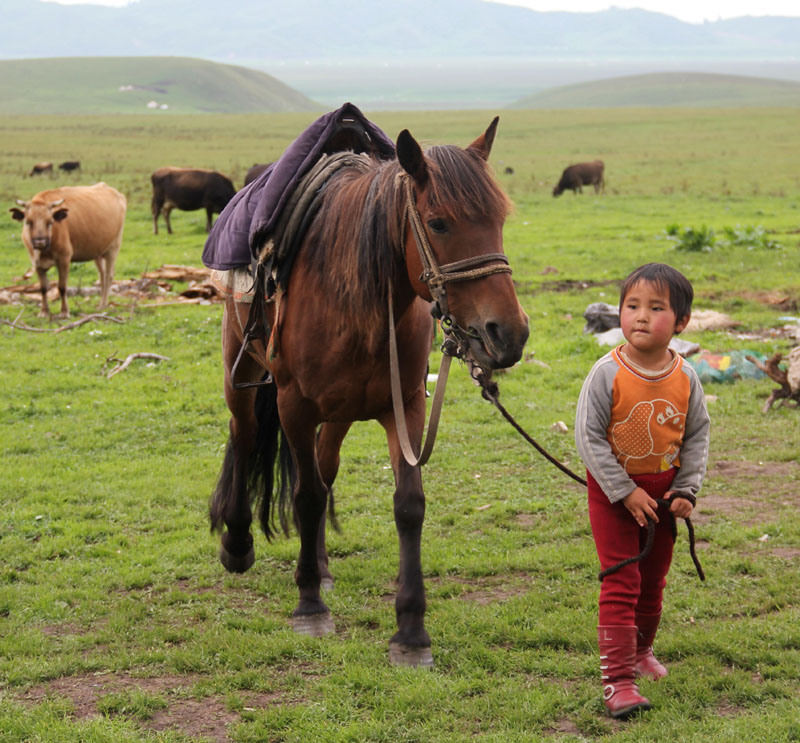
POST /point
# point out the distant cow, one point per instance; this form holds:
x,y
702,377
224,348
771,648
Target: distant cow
x,y
581,174
70,165
42,168
72,224
255,171
189,189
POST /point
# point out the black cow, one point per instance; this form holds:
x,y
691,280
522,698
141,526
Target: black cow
x,y
68,166
189,189
581,174
255,171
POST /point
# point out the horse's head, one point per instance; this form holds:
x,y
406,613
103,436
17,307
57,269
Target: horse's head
x,y
454,247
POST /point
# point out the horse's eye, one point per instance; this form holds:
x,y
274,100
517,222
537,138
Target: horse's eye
x,y
439,226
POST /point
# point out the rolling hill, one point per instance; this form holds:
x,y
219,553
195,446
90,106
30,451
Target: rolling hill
x,y
135,84
668,89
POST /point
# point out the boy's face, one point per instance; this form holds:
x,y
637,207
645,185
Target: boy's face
x,y
647,320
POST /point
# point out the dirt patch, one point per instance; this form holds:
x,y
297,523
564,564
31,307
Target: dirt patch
x,y
750,476
489,589
207,718
777,299
564,727
569,285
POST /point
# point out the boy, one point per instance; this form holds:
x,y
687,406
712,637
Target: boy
x,y
642,432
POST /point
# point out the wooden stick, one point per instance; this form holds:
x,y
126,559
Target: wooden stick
x,y
87,318
122,366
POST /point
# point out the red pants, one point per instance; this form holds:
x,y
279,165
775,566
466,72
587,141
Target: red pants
x,y
636,588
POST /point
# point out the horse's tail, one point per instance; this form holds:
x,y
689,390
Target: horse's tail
x,y
269,472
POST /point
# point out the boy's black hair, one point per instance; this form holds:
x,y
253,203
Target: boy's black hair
x,y
666,277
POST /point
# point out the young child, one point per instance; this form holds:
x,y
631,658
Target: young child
x,y
642,432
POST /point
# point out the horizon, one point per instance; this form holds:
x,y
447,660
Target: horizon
x,y
688,11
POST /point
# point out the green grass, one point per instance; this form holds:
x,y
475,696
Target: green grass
x,y
92,85
693,89
117,622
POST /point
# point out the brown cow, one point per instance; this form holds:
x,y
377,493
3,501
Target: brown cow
x,y
69,225
581,174
255,171
189,189
41,168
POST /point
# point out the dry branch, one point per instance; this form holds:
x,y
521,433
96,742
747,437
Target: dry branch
x,y
86,318
179,273
123,365
771,367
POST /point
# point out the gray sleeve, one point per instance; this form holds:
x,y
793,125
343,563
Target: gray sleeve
x,y
694,451
591,425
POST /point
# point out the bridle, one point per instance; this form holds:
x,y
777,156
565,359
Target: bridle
x,y
456,338
437,277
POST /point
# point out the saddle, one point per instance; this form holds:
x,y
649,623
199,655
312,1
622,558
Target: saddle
x,y
349,145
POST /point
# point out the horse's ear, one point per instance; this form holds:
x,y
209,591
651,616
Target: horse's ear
x,y
483,144
410,156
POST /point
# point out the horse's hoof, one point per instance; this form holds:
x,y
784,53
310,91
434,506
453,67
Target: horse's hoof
x,y
326,584
313,625
234,564
406,655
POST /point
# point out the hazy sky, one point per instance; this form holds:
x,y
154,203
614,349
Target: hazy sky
x,y
694,11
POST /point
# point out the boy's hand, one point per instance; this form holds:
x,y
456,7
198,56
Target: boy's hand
x,y
641,505
680,507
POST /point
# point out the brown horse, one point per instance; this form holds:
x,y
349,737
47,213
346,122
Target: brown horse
x,y
328,356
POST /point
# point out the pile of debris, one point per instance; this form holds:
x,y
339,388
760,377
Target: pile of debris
x,y
155,288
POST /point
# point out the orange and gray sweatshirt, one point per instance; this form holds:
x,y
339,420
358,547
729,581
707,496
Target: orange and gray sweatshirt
x,y
633,421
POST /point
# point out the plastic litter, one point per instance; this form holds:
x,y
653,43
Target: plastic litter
x,y
728,367
600,316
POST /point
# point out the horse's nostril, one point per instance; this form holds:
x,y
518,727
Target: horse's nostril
x,y
494,334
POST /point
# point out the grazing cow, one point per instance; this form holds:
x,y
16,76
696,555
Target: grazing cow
x,y
189,189
70,165
255,171
581,174
69,225
42,168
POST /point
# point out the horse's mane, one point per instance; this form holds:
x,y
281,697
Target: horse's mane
x,y
355,241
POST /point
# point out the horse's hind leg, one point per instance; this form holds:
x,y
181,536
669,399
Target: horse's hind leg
x,y
329,442
230,504
411,644
312,616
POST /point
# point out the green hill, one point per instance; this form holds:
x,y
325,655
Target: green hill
x,y
78,85
668,89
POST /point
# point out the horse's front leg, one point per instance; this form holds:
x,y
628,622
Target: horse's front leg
x,y
312,616
411,644
329,442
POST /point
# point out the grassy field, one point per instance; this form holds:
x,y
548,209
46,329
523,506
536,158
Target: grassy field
x,y
117,622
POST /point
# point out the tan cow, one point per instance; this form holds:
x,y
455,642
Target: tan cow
x,y
42,168
72,224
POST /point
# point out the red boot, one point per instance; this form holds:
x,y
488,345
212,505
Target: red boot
x,y
647,665
617,656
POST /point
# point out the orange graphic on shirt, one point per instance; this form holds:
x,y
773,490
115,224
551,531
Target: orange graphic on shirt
x,y
652,429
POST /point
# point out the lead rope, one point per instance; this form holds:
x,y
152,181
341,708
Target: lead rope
x,y
491,392
651,531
